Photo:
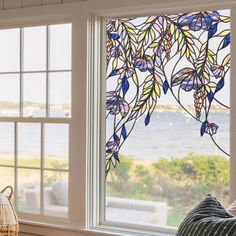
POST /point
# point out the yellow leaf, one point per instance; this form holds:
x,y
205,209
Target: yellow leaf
x,y
151,19
114,63
207,88
172,28
211,59
164,24
132,37
135,79
211,52
185,28
152,33
177,34
190,41
223,33
136,108
130,30
141,37
146,91
226,60
153,45
186,33
187,53
182,46
206,75
225,19
157,89
211,84
180,38
146,85
199,69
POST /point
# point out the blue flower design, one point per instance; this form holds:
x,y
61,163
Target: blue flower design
x,y
199,20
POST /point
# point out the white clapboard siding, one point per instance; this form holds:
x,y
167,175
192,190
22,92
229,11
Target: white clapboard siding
x,y
14,4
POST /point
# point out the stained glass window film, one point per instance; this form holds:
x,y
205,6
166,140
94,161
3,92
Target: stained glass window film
x,y
167,113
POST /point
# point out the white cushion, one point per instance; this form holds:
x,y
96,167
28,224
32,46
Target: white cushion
x,y
60,191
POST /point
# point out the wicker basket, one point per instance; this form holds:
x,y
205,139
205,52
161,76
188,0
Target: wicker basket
x,y
9,225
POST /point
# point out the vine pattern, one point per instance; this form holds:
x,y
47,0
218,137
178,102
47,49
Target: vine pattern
x,y
139,53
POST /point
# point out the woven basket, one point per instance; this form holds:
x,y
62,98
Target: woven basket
x,y
9,225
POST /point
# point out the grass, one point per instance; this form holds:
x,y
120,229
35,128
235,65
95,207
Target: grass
x,y
49,162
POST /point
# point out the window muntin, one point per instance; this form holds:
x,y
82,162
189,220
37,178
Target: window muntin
x,y
34,154
131,46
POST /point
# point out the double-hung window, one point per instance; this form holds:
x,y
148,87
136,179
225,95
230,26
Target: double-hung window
x,y
35,75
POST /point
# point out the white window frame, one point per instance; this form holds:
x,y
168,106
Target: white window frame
x,y
97,118
49,15
41,121
86,164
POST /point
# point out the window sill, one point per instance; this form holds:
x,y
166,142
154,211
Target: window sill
x,y
47,229
122,231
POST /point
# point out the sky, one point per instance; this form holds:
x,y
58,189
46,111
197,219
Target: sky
x,y
34,58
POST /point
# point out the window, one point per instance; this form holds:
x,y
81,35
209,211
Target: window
x,y
35,100
167,115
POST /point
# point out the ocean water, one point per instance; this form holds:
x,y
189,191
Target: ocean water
x,y
172,135
56,138
169,134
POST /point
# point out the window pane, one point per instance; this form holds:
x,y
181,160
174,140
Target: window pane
x,y
29,191
56,147
29,144
35,48
7,143
7,177
9,95
10,50
60,47
167,115
34,95
60,94
56,193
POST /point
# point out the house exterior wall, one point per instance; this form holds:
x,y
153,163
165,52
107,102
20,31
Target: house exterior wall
x,y
14,4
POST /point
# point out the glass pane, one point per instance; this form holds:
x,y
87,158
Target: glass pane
x,y
60,47
7,177
35,44
7,146
29,147
60,94
56,193
10,50
56,144
34,95
167,115
29,191
9,95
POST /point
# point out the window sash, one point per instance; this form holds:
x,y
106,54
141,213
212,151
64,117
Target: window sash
x,y
98,216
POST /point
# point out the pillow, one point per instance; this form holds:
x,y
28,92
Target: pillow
x,y
60,191
208,218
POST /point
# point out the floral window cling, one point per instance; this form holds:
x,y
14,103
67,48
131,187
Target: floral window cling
x,y
149,57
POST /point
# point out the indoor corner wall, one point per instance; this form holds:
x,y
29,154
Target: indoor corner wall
x,y
14,4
